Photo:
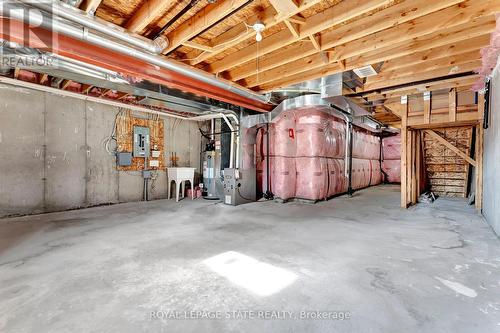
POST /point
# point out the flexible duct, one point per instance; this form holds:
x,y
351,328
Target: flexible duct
x,y
60,10
18,11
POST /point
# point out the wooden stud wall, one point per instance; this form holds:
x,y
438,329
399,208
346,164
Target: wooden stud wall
x,y
448,173
124,137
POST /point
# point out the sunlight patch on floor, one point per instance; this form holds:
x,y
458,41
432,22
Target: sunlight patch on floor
x,y
256,276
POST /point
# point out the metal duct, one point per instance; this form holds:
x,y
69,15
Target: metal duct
x,y
328,88
19,11
75,15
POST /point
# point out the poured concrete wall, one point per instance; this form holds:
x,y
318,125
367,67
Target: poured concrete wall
x,y
52,156
491,174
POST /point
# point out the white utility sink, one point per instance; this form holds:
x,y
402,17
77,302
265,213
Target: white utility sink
x,y
180,176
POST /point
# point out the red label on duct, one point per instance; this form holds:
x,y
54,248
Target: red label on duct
x,y
290,133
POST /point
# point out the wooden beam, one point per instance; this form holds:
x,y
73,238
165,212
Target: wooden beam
x,y
105,92
86,88
452,104
283,7
293,28
462,13
346,10
451,147
430,65
298,19
416,77
427,107
412,89
147,13
65,84
197,46
309,66
404,153
90,6
337,14
43,78
122,95
240,32
315,42
420,39
202,20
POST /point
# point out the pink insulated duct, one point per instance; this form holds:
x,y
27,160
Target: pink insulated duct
x,y
307,155
391,158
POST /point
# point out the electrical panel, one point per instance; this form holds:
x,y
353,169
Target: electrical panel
x,y
141,141
124,158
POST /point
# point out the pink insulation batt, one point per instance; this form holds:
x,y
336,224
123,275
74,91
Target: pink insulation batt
x,y
391,158
307,151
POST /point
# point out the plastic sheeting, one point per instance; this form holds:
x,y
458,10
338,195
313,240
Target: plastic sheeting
x,y
489,57
312,178
365,145
307,156
391,154
391,148
392,168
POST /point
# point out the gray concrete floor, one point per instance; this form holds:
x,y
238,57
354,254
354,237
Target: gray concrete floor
x,y
432,268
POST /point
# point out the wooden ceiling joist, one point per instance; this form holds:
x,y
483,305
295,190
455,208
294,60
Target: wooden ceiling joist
x,y
388,50
200,21
90,6
430,65
384,19
412,89
284,6
335,15
241,32
65,84
147,13
421,76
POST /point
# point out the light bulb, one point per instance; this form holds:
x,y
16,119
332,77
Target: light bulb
x,y
258,36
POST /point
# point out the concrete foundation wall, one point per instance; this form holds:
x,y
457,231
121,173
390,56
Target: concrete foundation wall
x,y
52,155
491,181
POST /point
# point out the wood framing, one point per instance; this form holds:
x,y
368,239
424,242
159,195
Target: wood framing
x,y
451,147
147,13
90,6
201,21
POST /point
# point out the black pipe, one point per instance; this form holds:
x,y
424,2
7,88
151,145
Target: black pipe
x,y
268,195
349,187
188,7
177,16
404,85
486,118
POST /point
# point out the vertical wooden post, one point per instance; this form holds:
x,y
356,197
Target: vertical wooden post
x,y
453,105
418,163
404,139
409,166
427,107
479,154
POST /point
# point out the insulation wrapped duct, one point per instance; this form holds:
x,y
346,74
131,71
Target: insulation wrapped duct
x,y
391,158
307,155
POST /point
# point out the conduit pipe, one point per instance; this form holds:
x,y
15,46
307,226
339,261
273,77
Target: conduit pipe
x,y
18,11
75,15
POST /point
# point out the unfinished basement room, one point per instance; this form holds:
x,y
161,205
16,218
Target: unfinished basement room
x,y
250,166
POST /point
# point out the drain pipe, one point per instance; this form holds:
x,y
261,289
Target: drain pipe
x,y
75,15
349,186
18,11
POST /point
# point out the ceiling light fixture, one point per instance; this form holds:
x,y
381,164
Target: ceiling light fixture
x,y
258,27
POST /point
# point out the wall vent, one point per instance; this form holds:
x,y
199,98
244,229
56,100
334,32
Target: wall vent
x,y
365,71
